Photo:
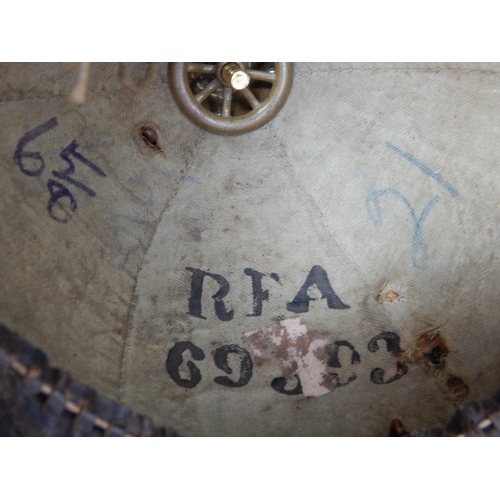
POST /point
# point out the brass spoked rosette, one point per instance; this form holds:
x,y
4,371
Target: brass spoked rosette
x,y
230,97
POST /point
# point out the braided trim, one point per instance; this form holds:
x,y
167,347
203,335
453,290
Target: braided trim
x,y
9,362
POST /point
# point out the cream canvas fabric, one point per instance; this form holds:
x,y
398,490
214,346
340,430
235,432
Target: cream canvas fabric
x,y
273,283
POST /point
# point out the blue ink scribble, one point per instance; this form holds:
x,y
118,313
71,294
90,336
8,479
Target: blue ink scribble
x,y
149,172
124,236
132,220
194,180
418,246
425,169
81,146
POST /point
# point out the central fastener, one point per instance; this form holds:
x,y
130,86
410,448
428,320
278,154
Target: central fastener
x,y
235,76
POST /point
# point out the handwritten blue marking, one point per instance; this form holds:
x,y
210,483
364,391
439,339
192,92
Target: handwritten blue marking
x,y
66,154
425,169
119,257
28,137
80,146
131,235
58,191
129,219
418,246
194,180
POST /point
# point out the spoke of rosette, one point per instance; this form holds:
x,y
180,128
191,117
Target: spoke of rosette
x,y
226,102
263,76
251,99
205,92
201,68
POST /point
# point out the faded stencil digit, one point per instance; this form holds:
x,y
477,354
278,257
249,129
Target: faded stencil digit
x,y
311,365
